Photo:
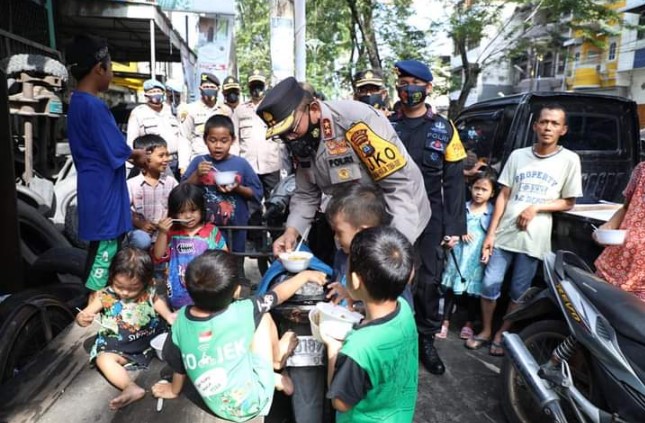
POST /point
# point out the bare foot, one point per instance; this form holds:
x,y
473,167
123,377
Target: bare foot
x,y
283,383
286,345
130,394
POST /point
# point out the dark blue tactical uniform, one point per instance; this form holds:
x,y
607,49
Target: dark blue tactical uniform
x,y
433,143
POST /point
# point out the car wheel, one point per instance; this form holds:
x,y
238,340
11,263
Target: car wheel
x,y
37,233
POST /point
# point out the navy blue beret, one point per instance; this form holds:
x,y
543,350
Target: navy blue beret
x,y
413,68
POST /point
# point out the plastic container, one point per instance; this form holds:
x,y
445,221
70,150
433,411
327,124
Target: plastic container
x,y
314,323
296,261
336,321
225,178
157,344
611,236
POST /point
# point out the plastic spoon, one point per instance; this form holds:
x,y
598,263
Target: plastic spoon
x,y
160,400
302,238
95,320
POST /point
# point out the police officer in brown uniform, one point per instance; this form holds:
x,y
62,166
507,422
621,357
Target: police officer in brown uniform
x,y
338,142
434,144
369,88
231,91
194,116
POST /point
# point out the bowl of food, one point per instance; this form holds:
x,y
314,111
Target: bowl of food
x,y
225,178
610,236
336,321
296,261
157,344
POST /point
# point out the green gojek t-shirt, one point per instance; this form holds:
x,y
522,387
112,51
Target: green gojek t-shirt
x,y
216,352
388,352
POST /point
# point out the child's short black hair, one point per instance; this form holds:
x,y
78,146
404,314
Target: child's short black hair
x,y
149,142
361,204
489,175
183,195
383,258
219,121
211,280
134,263
84,52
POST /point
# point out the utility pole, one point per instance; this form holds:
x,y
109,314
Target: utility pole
x,y
301,29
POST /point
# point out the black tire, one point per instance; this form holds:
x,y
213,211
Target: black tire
x,y
58,265
37,233
541,338
30,320
71,227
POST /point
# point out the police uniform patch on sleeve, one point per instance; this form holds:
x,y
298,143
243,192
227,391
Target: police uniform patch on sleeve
x,y
380,157
455,149
182,115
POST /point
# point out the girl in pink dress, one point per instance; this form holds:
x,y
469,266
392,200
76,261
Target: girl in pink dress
x,y
624,265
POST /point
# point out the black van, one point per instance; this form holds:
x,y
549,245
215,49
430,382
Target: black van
x,y
603,130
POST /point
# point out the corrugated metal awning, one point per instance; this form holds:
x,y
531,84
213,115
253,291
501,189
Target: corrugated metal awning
x,y
126,26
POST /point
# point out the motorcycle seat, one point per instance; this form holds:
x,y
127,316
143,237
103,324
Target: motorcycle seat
x,y
623,310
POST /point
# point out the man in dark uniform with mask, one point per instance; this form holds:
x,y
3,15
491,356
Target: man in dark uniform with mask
x,y
231,90
194,116
338,142
434,144
369,88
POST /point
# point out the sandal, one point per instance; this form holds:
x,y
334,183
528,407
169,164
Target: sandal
x,y
443,334
476,342
496,349
466,332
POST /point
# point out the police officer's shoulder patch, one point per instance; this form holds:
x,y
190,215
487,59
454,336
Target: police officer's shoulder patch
x,y
380,157
455,150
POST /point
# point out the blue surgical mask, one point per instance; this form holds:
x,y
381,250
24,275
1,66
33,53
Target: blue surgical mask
x,y
156,98
411,95
209,93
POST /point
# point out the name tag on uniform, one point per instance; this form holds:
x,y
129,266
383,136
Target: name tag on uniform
x,y
380,157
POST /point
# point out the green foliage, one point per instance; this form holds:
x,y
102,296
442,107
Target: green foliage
x,y
252,46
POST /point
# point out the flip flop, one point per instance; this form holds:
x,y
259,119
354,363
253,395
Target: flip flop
x,y
466,333
443,334
476,342
496,349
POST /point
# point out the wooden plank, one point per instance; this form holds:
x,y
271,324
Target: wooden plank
x,y
28,396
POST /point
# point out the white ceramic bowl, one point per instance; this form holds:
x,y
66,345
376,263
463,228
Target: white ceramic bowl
x,y
611,236
314,323
225,178
336,321
296,261
157,344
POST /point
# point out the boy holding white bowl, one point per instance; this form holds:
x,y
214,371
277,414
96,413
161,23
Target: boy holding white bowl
x,y
373,374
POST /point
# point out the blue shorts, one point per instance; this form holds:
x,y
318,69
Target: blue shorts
x,y
524,269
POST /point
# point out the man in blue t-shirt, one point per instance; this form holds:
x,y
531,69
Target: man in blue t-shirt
x,y
99,151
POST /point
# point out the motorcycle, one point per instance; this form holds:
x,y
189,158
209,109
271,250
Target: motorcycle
x,y
307,365
582,359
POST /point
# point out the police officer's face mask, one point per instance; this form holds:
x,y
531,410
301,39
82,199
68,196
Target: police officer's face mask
x,y
307,145
155,98
232,97
257,91
209,93
411,95
374,100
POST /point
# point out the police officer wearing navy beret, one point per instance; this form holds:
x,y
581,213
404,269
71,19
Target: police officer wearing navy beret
x,y
369,88
434,145
338,142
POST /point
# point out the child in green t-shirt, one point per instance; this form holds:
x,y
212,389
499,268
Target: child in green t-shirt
x,y
373,374
230,348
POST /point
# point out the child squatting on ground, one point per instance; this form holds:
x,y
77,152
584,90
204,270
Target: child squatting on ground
x,y
184,235
464,272
129,319
229,348
373,374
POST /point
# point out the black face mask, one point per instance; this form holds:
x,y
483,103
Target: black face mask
x,y
232,97
374,100
307,145
257,91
